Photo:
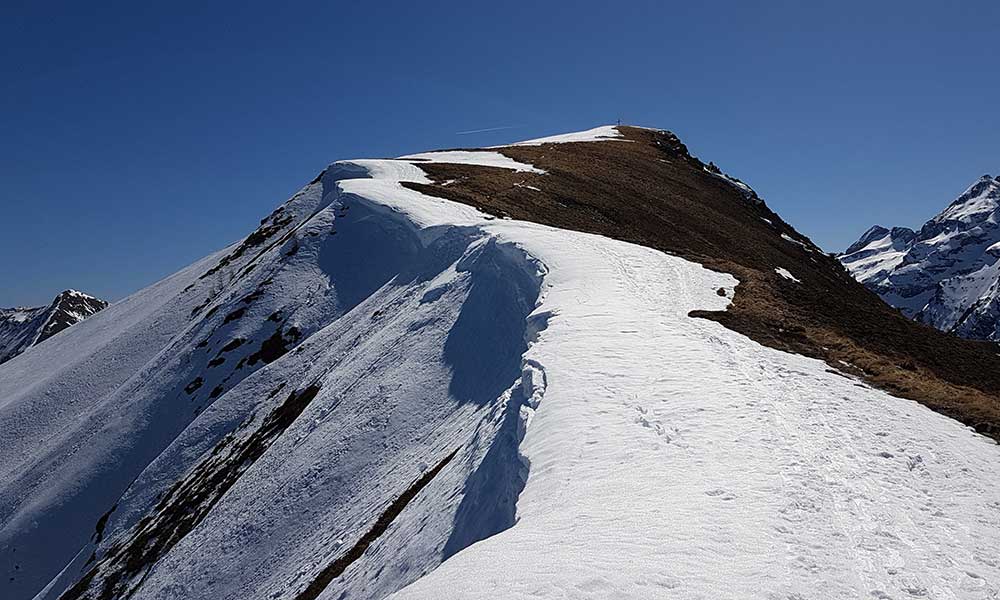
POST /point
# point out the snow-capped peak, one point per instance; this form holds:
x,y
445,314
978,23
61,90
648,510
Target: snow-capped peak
x,y
21,328
946,274
76,293
978,202
877,251
875,232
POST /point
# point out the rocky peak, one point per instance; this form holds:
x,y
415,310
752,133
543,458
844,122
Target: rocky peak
x,y
977,203
23,327
875,232
68,308
947,274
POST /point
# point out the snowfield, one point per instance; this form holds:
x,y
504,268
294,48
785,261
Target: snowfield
x,y
673,458
592,439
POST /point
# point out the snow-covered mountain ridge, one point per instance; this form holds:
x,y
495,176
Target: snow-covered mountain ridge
x,y
946,274
21,328
401,384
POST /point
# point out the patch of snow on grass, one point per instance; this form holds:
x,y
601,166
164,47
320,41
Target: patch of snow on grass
x,y
789,238
784,273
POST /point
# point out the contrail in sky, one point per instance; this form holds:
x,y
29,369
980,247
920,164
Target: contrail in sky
x,y
486,130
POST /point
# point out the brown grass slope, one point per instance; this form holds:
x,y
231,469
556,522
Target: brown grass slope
x,y
649,190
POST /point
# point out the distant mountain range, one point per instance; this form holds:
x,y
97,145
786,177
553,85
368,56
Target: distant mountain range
x,y
21,328
947,274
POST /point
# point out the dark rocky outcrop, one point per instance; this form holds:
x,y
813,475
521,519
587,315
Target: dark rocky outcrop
x,y
21,328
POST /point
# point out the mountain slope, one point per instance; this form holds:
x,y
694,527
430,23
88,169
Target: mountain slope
x,y
654,193
21,328
947,274
433,369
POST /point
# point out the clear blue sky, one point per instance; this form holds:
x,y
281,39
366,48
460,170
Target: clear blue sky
x,y
134,140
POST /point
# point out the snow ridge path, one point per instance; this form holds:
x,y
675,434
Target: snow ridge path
x,y
673,457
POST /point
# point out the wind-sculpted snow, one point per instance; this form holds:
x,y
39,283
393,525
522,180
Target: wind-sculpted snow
x,y
477,157
602,133
411,326
673,458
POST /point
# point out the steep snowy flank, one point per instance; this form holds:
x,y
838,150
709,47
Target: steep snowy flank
x,y
21,328
408,324
383,390
945,275
878,252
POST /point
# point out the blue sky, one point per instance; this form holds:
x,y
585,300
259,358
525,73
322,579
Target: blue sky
x,y
136,139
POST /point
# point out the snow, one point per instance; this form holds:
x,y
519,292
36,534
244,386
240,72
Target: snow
x,y
21,328
597,134
877,265
79,294
481,157
946,274
879,256
662,455
18,315
83,413
739,184
784,273
672,454
54,411
789,238
671,457
981,198
956,295
875,259
386,170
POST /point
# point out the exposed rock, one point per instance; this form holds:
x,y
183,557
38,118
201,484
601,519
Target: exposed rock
x,y
21,328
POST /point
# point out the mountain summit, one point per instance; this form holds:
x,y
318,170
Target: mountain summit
x,y
589,365
945,275
21,328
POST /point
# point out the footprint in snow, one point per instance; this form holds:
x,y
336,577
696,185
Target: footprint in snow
x,y
721,494
654,425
